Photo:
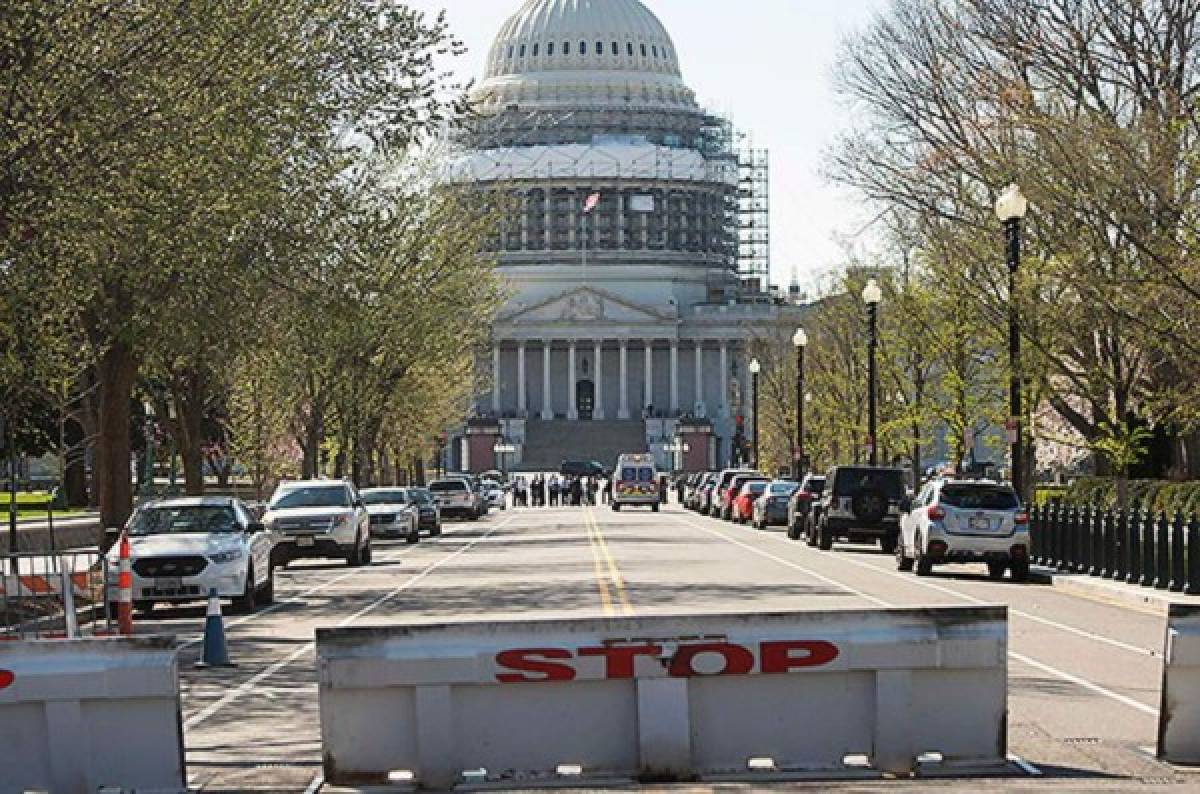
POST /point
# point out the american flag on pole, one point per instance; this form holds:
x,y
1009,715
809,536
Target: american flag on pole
x,y
591,203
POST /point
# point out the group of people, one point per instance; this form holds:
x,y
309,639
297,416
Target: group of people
x,y
555,491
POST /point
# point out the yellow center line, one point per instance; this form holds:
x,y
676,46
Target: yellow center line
x,y
618,582
598,566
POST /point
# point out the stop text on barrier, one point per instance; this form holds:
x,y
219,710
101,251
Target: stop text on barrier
x,y
687,660
6,679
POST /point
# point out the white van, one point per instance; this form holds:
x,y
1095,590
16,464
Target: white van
x,y
635,482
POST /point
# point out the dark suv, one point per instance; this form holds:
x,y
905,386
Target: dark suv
x,y
582,468
860,504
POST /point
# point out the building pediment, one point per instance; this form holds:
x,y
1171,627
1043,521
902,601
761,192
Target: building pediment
x,y
586,305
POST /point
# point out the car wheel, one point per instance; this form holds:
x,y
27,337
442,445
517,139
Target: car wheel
x,y
825,541
367,553
245,603
354,557
794,530
904,563
810,532
616,507
888,544
924,565
1020,570
654,507
996,570
267,594
414,534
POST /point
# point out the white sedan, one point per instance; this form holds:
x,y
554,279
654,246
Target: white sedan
x,y
393,513
180,549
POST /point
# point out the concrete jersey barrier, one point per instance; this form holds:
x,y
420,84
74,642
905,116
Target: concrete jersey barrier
x,y
663,698
1179,713
79,715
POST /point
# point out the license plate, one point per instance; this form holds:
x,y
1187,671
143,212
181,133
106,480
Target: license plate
x,y
170,585
305,540
981,524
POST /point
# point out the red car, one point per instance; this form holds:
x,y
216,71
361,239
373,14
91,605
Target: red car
x,y
733,487
743,505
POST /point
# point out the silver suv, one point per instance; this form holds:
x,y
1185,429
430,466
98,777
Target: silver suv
x,y
457,496
319,518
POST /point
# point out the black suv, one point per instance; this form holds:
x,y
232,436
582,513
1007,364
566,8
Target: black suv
x,y
860,504
580,468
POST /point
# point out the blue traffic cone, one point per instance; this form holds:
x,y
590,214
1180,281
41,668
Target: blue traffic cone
x,y
215,652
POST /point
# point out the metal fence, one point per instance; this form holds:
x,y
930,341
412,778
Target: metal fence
x,y
1134,546
61,594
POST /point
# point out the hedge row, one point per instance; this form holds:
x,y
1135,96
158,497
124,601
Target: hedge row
x,y
1159,496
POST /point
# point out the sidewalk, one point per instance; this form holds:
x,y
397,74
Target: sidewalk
x,y
1110,590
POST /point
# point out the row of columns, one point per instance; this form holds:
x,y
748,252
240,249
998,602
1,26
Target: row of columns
x,y
623,411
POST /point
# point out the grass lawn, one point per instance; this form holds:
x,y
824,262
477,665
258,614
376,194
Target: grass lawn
x,y
30,504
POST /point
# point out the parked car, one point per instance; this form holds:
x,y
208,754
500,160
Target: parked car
x,y
456,496
495,494
180,549
771,507
720,494
954,521
319,519
429,514
696,494
730,494
393,513
860,504
708,491
800,508
742,509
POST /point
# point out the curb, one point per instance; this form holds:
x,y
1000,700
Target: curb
x,y
1109,590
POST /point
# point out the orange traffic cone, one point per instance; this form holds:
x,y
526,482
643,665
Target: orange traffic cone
x,y
124,589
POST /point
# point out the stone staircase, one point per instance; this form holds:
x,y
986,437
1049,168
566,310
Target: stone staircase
x,y
549,442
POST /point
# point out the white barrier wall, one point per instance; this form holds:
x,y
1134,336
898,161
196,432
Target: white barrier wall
x,y
1179,714
663,698
76,715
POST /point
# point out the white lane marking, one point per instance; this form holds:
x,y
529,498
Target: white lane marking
x,y
910,579
790,564
1026,767
1086,684
298,599
252,683
316,785
1074,679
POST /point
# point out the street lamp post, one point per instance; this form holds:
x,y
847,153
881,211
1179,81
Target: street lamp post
x,y
872,295
1010,209
800,340
755,369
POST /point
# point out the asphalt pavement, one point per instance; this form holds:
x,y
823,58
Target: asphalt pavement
x,y
1084,672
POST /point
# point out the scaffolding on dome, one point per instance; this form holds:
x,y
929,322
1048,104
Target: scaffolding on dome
x,y
754,219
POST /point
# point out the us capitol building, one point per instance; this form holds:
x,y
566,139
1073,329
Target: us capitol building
x,y
635,254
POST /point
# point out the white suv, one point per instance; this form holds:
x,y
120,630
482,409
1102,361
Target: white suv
x,y
954,521
456,496
180,549
320,518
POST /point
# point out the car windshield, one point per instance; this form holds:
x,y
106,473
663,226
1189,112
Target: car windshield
x,y
421,497
888,481
313,496
755,488
978,497
783,488
385,497
183,520
448,485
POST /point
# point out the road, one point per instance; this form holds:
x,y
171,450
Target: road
x,y
1084,674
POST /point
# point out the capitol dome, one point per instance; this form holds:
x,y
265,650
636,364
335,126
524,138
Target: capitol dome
x,y
607,53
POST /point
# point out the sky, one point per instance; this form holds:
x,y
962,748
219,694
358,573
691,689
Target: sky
x,y
766,63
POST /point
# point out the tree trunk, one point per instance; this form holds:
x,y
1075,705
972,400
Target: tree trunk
x,y
75,475
116,371
190,394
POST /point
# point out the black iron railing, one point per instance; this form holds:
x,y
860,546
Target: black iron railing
x,y
1135,546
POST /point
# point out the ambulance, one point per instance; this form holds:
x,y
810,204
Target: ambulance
x,y
635,482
